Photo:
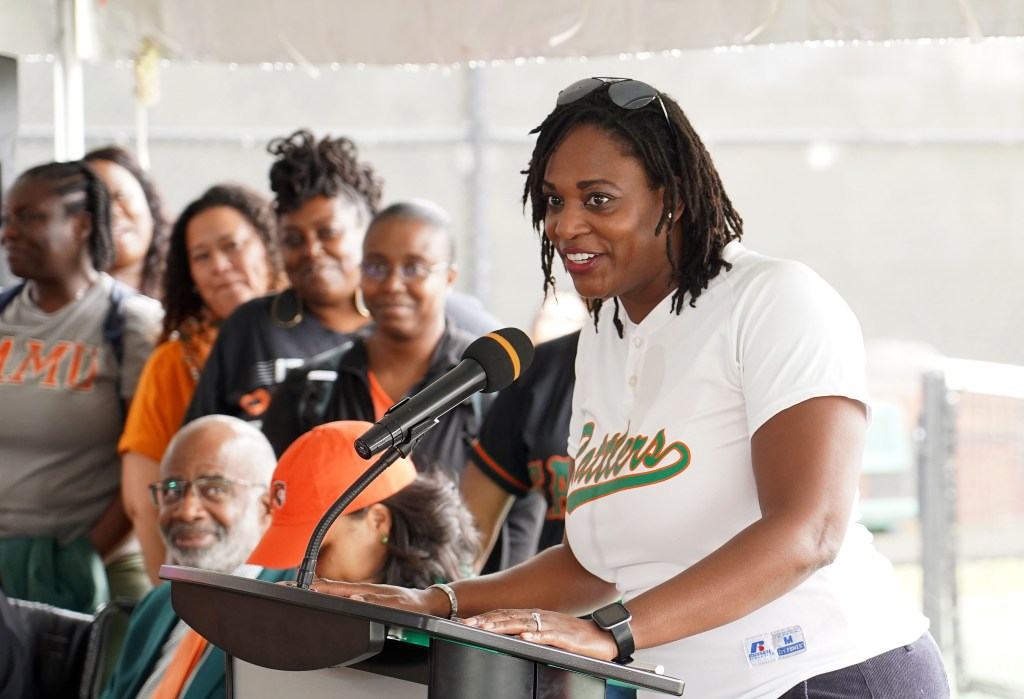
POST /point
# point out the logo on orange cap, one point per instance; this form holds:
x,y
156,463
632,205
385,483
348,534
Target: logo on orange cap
x,y
310,476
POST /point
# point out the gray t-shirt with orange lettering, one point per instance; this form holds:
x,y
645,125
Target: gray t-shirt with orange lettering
x,y
61,409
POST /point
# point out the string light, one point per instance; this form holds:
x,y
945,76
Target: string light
x,y
519,61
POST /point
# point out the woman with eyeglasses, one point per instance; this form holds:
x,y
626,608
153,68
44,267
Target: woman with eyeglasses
x,y
717,431
140,223
73,342
324,200
407,275
222,253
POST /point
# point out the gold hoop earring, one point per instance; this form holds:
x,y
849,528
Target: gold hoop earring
x,y
360,303
286,309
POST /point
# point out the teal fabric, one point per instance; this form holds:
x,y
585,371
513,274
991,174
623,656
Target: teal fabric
x,y
40,570
128,579
151,624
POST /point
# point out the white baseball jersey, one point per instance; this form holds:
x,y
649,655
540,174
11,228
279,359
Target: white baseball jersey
x,y
661,427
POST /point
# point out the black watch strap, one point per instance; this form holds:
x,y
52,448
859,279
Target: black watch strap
x,y
623,636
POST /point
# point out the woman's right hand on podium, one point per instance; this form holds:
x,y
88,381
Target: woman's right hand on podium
x,y
430,601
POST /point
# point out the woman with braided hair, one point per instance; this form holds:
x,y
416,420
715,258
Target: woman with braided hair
x,y
717,432
72,344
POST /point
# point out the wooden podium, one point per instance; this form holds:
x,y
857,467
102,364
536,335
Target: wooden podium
x,y
286,639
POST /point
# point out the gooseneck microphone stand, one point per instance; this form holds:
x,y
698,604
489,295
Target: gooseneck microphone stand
x,y
307,570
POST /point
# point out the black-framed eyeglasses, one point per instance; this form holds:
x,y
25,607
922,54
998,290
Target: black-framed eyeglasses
x,y
212,489
407,271
624,92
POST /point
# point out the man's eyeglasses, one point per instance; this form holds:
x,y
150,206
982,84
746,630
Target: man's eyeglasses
x,y
212,489
407,271
624,92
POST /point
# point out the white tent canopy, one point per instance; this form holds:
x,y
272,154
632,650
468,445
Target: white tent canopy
x,y
454,31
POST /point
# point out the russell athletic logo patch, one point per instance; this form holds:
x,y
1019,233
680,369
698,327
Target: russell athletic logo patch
x,y
759,650
777,645
621,462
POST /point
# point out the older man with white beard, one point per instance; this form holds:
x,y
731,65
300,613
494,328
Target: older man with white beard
x,y
214,505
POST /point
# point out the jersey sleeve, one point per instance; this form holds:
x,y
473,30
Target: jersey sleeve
x,y
498,450
795,339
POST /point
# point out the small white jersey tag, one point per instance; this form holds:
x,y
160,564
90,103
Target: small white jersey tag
x,y
789,641
777,645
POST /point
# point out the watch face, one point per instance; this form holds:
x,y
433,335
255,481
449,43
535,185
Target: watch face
x,y
609,616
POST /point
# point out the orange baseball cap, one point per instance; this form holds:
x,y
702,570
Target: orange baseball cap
x,y
310,476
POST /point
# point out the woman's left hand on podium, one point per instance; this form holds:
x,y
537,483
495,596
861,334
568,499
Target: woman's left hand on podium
x,y
550,629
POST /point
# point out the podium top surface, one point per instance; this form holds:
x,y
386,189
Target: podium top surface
x,y
223,597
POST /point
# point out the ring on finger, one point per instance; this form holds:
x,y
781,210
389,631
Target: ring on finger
x,y
536,618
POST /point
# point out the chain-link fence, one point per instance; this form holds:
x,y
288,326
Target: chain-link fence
x,y
971,489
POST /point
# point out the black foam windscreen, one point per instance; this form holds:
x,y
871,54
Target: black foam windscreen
x,y
504,355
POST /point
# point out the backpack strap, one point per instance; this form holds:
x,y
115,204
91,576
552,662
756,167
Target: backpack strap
x,y
113,330
7,295
113,325
115,322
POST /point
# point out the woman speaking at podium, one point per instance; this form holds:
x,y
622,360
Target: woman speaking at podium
x,y
717,432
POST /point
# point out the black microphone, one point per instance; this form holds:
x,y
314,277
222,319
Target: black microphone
x,y
489,364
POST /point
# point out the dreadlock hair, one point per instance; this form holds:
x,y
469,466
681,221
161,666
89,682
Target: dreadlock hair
x,y
432,535
673,157
153,263
181,299
82,191
307,168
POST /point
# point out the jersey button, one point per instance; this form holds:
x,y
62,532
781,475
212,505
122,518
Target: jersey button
x,y
638,341
632,381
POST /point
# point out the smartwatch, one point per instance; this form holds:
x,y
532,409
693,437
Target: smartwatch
x,y
615,618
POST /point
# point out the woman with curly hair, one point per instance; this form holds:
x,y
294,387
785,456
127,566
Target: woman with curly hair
x,y
139,221
325,198
405,528
222,253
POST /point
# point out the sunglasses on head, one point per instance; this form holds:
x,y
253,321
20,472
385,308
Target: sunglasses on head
x,y
624,92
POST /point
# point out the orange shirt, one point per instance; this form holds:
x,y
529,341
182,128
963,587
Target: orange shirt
x,y
161,399
380,399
